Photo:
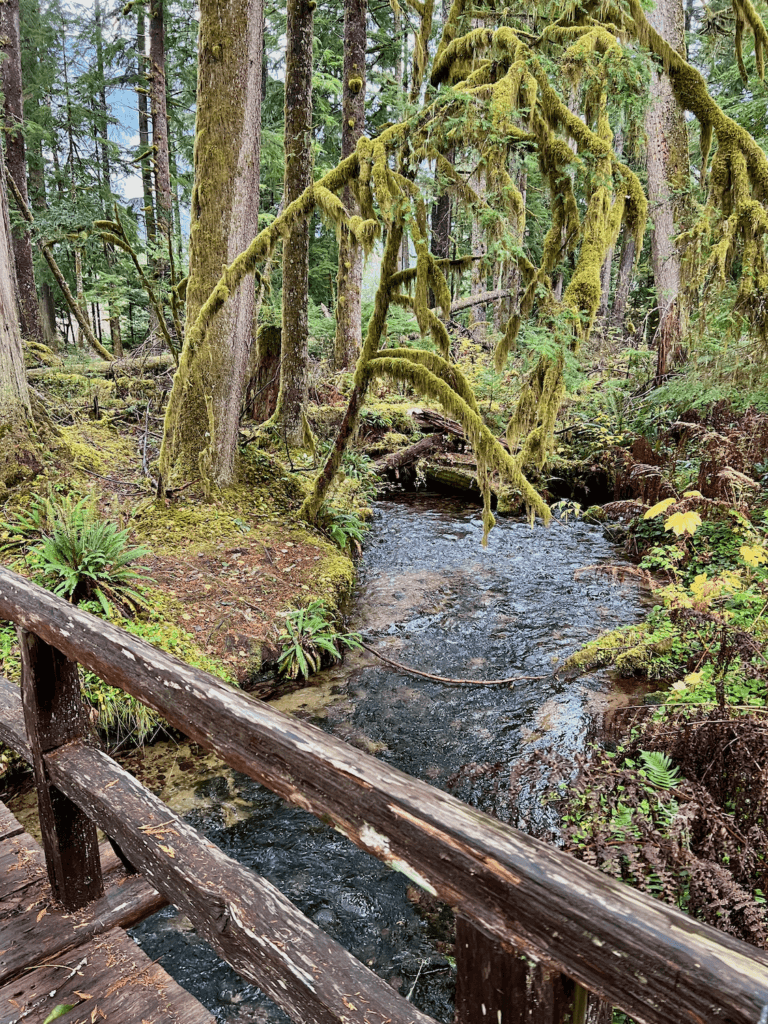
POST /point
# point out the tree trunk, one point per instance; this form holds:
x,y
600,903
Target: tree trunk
x,y
202,418
15,407
141,90
160,123
623,280
667,164
477,317
160,156
350,279
13,111
298,176
607,268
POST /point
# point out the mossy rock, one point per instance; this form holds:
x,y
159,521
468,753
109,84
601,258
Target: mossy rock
x,y
595,514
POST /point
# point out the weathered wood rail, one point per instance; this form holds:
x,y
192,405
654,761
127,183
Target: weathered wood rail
x,y
595,942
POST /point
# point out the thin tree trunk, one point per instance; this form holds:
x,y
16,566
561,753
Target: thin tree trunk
x,y
160,121
607,268
477,318
623,280
298,176
141,91
348,320
667,163
15,406
13,111
80,294
160,150
202,418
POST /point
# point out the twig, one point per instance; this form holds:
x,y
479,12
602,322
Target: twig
x,y
446,679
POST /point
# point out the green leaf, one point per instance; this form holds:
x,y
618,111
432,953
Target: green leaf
x,y
59,1011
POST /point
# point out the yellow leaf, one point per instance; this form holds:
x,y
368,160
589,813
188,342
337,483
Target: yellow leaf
x,y
683,522
658,508
754,555
41,915
693,494
692,679
168,849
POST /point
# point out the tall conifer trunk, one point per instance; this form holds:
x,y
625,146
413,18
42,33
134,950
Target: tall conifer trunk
x,y
163,196
348,322
202,418
29,311
15,407
298,176
667,164
141,90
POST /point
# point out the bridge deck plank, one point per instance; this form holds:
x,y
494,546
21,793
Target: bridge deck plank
x,y
49,957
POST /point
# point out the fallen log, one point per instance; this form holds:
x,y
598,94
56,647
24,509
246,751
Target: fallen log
x,y
108,368
407,456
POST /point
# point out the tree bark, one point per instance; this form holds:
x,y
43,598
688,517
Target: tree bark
x,y
141,90
15,407
160,125
667,165
477,318
623,280
348,321
202,418
13,111
298,176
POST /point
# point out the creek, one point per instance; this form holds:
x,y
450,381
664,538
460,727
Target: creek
x,y
429,596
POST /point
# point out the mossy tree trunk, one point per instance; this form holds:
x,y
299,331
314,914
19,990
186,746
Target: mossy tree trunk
x,y
15,409
668,169
13,112
202,418
298,176
348,322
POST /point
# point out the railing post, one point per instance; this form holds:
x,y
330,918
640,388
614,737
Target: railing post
x,y
496,986
54,715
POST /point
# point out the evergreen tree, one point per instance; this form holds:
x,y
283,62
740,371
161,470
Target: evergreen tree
x,y
202,417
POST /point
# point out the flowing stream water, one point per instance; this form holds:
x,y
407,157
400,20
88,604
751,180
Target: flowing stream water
x,y
430,596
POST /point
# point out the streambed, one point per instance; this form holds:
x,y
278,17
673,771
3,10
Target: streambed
x,y
429,596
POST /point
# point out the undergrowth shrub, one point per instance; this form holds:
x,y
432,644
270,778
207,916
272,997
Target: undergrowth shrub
x,y
78,555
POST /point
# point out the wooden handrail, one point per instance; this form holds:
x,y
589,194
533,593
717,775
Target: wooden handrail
x,y
639,954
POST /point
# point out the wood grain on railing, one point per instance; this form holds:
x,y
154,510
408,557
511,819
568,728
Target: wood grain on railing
x,y
647,958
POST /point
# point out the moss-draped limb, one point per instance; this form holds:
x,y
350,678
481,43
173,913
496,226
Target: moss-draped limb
x,y
438,366
429,322
310,509
490,455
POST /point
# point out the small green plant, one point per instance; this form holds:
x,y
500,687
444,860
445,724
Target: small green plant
x,y
84,558
346,529
309,636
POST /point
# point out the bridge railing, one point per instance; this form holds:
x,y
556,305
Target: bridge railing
x,y
541,937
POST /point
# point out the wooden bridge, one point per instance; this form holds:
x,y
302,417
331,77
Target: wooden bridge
x,y
541,938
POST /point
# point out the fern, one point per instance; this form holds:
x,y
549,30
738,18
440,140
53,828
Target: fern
x,y
658,769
